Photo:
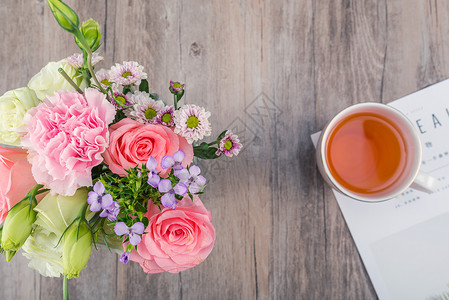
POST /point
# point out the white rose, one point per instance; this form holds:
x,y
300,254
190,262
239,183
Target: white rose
x,y
13,106
54,214
49,80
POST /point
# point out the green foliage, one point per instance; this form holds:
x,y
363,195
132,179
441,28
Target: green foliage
x,y
127,89
221,136
143,87
119,115
154,96
132,193
205,151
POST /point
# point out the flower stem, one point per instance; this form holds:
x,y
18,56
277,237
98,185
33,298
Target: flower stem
x,y
175,101
64,74
65,289
91,70
86,47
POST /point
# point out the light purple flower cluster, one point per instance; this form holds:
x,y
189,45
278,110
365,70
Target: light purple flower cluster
x,y
190,179
169,199
134,233
100,201
153,174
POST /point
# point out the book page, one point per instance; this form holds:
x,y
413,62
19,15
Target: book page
x,y
404,242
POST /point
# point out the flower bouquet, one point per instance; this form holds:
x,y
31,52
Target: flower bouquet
x,y
95,159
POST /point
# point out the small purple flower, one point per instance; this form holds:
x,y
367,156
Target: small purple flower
x,y
133,232
165,116
153,175
111,212
97,200
124,258
191,178
176,87
174,162
168,199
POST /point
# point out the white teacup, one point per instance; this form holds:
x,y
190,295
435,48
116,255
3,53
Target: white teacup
x,y
367,116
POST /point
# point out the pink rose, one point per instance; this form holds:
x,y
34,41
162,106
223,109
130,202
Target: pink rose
x,y
65,136
176,239
15,178
132,143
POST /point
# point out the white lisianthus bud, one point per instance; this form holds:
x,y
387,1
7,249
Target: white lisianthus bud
x,y
13,106
49,80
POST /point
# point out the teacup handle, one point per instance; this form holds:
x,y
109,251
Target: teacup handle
x,y
425,183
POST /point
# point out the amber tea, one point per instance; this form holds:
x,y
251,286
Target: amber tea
x,y
366,153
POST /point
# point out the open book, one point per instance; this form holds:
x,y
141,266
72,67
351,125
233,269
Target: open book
x,y
404,242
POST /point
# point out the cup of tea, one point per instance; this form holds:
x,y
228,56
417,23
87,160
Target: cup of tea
x,y
371,152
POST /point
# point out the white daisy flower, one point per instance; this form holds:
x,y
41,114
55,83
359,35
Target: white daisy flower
x,y
105,80
77,60
130,72
144,109
192,122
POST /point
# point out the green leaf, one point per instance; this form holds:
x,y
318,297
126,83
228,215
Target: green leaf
x,y
145,222
105,240
119,115
140,208
204,146
127,89
222,135
208,153
143,87
154,96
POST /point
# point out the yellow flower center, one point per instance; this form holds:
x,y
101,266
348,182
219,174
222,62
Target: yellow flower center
x,y
192,122
121,100
105,82
166,118
228,145
150,113
126,74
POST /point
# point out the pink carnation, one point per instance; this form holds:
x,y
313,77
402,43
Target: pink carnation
x,y
65,136
176,239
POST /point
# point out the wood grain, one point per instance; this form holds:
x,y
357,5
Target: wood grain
x,y
275,71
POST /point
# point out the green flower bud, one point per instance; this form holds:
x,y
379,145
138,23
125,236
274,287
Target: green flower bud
x,y
91,32
64,15
76,251
17,227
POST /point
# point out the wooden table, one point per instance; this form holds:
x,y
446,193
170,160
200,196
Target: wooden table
x,y
275,72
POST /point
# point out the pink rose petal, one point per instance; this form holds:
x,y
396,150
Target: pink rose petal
x,y
133,143
176,240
